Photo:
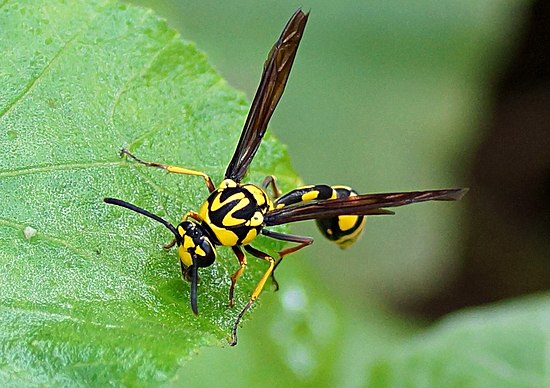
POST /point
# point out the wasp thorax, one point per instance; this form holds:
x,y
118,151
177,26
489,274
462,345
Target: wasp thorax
x,y
234,213
194,247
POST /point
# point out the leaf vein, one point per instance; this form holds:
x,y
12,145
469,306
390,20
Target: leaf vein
x,y
55,167
139,73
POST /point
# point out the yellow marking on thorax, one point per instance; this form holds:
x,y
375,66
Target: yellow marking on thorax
x,y
259,195
256,220
251,235
229,220
217,204
225,236
203,212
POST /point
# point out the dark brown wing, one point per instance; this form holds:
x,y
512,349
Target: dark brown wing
x,y
274,77
358,205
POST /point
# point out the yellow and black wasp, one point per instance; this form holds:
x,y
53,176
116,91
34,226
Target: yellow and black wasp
x,y
235,213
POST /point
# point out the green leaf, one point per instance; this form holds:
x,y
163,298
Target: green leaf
x,y
87,294
504,345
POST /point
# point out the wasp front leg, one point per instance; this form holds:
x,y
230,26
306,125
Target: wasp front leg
x,y
191,214
172,169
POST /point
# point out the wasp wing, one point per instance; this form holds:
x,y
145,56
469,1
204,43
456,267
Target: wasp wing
x,y
357,205
274,77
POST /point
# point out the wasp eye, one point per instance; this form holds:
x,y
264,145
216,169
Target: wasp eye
x,y
195,246
205,253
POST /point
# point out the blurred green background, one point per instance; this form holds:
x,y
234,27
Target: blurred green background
x,y
384,96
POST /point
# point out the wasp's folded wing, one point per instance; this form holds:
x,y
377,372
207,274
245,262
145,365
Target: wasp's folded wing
x,y
274,77
367,204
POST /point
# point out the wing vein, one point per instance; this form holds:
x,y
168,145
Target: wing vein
x,y
272,84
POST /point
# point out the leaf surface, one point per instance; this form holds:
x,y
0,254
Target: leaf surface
x,y
87,293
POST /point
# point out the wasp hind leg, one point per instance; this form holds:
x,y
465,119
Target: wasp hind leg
x,y
172,169
302,241
271,180
259,287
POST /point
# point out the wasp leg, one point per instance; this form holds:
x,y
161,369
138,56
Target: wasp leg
x,y
303,241
193,215
173,169
237,274
170,244
184,274
272,180
259,287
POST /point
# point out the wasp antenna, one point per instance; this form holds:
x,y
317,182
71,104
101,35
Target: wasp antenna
x,y
194,279
127,205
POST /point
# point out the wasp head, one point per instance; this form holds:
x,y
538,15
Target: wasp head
x,y
195,251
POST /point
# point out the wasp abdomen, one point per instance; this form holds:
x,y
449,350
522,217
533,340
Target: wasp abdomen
x,y
305,194
343,230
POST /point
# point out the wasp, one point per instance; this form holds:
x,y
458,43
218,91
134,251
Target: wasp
x,y
235,213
